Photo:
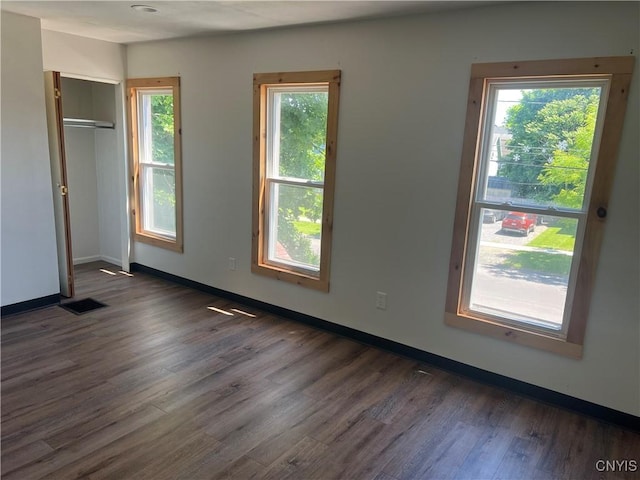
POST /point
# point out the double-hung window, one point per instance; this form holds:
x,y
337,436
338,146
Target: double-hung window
x,y
295,130
538,157
154,119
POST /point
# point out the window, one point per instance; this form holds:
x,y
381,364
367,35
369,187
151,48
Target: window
x,y
154,119
295,131
538,156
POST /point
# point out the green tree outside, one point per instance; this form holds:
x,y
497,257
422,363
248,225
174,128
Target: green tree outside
x,y
566,175
162,128
550,131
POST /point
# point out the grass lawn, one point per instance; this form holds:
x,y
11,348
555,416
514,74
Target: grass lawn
x,y
311,229
560,236
540,262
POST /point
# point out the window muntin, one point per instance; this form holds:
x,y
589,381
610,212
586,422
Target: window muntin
x,y
537,155
296,151
481,198
295,117
157,161
155,146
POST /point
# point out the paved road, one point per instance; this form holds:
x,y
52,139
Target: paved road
x,y
528,294
509,292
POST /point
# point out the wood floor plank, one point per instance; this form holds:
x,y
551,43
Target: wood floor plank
x,y
73,413
351,454
453,450
244,468
35,376
158,386
143,444
485,457
84,447
440,411
17,457
183,457
274,445
294,462
519,462
384,476
221,462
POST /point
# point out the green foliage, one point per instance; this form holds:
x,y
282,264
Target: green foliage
x,y
303,135
311,229
566,174
549,129
162,128
295,234
297,244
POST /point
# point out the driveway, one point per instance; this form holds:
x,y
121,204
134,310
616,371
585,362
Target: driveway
x,y
491,232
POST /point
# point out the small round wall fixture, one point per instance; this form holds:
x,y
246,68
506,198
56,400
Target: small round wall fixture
x,y
144,8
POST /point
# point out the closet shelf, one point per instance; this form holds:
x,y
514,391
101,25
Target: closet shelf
x,y
85,123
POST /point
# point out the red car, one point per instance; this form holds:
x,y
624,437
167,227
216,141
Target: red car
x,y
519,222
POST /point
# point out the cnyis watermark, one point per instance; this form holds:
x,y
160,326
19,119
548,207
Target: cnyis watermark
x,y
617,465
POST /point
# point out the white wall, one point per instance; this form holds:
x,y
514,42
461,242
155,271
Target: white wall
x,y
401,121
111,191
89,59
29,257
83,57
110,194
82,181
80,149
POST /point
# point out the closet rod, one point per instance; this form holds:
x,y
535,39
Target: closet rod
x,y
83,123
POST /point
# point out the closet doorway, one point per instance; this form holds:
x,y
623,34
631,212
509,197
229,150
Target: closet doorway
x,y
86,175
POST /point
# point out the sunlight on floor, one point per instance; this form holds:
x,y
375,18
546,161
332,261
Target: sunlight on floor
x,y
219,310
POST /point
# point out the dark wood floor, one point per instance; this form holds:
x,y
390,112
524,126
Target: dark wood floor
x,y
158,386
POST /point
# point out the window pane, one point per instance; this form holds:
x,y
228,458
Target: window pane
x,y
156,126
295,227
522,267
159,200
298,141
539,145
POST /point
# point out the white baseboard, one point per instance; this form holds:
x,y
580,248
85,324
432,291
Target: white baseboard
x,y
96,258
81,260
115,261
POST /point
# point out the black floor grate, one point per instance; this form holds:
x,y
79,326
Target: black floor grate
x,y
82,306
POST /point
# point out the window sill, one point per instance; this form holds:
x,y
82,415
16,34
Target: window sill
x,y
158,241
290,276
515,335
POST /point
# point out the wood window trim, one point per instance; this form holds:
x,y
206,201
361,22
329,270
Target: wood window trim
x,y
330,78
139,234
619,70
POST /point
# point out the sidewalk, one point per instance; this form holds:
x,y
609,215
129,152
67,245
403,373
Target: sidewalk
x,y
525,248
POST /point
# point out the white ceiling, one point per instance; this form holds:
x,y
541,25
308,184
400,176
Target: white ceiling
x,y
116,21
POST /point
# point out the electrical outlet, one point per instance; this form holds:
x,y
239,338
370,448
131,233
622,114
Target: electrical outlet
x,y
232,263
381,300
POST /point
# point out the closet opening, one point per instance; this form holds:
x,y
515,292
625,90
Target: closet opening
x,y
89,186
